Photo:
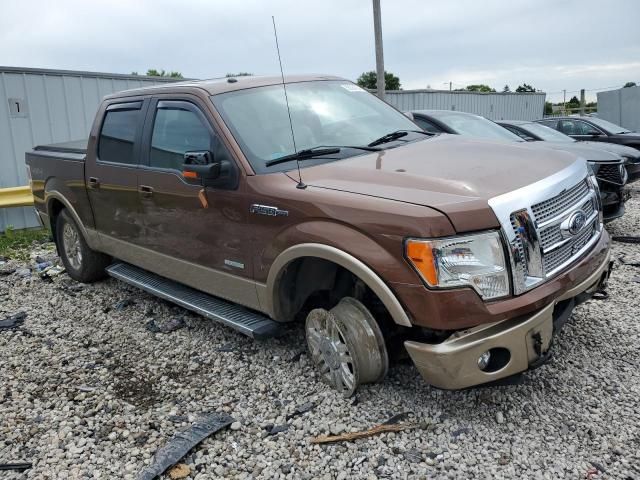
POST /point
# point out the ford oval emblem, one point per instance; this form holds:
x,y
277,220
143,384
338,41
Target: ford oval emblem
x,y
576,221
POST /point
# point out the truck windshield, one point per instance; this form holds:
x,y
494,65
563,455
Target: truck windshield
x,y
323,113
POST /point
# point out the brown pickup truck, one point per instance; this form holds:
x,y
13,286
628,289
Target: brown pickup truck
x,y
258,202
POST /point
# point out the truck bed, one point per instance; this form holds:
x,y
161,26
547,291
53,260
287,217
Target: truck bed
x,y
74,146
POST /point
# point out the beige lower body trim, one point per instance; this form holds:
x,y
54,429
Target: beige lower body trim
x,y
453,364
214,282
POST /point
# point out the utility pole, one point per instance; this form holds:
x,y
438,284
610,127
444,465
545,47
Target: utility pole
x,y
582,101
377,30
449,86
564,102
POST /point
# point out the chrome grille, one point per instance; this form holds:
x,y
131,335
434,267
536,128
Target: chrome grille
x,y
561,255
558,204
544,242
551,235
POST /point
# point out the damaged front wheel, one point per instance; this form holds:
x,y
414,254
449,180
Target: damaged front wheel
x,y
346,346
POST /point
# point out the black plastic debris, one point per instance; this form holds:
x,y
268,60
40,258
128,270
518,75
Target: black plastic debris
x,y
275,429
13,321
625,262
122,304
17,467
626,238
300,409
600,295
168,327
460,431
227,347
399,417
182,442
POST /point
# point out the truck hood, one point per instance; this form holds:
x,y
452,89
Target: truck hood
x,y
588,152
449,173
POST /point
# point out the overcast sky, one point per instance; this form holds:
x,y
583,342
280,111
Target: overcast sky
x,y
550,44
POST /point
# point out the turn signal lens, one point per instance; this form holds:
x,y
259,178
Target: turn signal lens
x,y
421,257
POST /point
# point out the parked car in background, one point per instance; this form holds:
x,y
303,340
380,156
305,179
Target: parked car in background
x,y
608,167
534,131
592,129
376,235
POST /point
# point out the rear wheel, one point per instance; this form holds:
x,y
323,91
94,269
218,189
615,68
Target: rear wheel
x,y
346,346
82,263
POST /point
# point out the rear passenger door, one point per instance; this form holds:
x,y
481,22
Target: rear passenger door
x,y
112,172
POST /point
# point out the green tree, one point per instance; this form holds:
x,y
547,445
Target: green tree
x,y
506,89
548,108
369,79
629,84
479,88
239,74
525,88
152,72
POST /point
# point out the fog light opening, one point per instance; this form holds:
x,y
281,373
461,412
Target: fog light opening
x,y
494,359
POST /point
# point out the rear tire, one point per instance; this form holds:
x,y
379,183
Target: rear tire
x,y
82,263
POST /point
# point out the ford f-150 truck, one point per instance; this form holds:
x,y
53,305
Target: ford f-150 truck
x,y
259,201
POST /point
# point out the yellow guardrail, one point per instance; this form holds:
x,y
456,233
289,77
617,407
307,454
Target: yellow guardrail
x,y
15,197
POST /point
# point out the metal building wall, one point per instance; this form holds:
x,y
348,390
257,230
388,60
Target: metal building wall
x,y
621,107
39,106
496,106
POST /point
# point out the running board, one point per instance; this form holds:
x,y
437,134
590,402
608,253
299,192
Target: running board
x,y
249,322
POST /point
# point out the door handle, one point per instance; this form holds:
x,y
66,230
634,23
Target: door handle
x,y
145,191
94,182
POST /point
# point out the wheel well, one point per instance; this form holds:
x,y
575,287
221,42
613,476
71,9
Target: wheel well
x,y
310,282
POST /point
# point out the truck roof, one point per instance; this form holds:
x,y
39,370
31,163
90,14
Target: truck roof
x,y
221,85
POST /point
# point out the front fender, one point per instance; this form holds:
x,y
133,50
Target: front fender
x,y
348,248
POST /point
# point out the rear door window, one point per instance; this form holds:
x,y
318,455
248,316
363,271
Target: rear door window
x,y
118,135
177,129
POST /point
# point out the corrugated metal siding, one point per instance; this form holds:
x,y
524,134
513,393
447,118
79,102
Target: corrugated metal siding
x,y
621,107
496,106
56,106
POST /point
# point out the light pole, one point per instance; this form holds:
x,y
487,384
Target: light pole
x,y
377,30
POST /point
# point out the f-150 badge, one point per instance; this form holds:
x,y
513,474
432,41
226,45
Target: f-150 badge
x,y
267,210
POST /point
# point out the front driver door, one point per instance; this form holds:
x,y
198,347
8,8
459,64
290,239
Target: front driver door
x,y
195,234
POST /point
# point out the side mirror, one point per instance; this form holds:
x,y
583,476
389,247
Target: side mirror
x,y
201,166
409,115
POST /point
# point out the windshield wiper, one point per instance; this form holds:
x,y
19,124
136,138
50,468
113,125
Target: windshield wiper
x,y
390,137
314,152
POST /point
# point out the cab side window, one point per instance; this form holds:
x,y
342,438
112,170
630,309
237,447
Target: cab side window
x,y
117,137
176,131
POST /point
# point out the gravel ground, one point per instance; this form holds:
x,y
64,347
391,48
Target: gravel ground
x,y
88,391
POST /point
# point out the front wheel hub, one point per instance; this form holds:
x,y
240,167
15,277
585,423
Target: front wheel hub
x,y
346,345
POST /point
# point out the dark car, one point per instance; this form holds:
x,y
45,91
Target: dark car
x,y
594,129
536,132
607,166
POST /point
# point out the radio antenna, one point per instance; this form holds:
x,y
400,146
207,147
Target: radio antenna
x,y
286,99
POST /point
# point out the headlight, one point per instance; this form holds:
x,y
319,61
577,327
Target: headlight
x,y
475,261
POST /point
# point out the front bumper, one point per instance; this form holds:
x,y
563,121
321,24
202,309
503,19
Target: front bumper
x,y
453,364
633,171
